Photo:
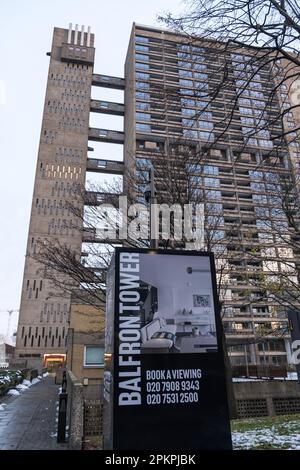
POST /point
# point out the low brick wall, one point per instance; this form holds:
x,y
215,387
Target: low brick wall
x,y
267,398
75,411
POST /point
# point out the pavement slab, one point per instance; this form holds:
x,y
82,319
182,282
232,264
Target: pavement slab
x,y
28,421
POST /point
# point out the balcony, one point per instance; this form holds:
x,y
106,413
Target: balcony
x,y
237,332
242,317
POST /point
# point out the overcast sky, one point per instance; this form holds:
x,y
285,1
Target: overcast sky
x,y
25,37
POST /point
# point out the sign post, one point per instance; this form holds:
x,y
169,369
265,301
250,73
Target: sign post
x,y
294,324
164,383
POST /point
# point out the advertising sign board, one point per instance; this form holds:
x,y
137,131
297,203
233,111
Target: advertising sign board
x,y
164,383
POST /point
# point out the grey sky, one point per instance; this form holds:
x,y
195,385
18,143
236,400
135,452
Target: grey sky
x,y
25,37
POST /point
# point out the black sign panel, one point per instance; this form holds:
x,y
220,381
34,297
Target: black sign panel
x,y
164,384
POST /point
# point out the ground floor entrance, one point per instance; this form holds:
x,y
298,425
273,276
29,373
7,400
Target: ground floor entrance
x,y
54,361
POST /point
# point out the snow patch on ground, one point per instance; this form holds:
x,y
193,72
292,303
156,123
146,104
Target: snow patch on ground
x,y
35,381
27,383
21,387
292,376
45,374
2,406
13,392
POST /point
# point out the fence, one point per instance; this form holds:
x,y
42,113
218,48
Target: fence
x,y
75,411
93,419
266,398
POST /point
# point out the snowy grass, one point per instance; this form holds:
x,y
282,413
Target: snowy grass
x,y
22,387
9,379
271,432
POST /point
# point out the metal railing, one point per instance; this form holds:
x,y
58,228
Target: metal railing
x,y
62,411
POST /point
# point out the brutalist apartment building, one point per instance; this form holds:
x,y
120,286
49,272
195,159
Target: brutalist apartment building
x,y
170,110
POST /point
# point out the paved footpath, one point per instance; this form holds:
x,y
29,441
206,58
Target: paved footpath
x,y
28,421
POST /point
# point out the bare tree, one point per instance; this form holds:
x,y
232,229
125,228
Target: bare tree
x,y
183,177
271,24
279,245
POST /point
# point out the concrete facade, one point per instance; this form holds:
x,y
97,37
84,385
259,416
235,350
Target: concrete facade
x,y
61,166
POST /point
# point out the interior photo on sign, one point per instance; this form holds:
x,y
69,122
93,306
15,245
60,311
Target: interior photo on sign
x,y
177,308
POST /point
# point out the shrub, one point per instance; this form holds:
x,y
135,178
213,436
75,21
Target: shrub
x,y
9,379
